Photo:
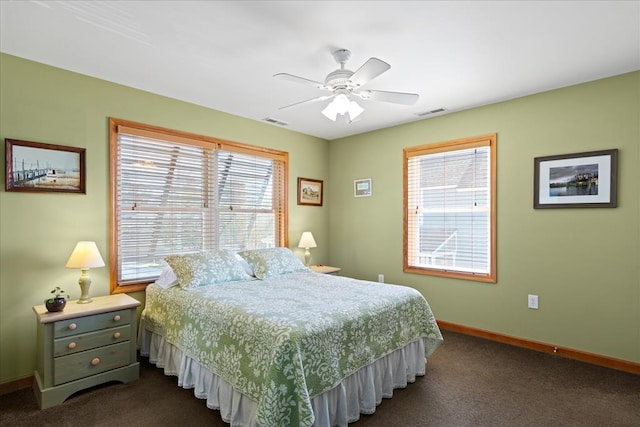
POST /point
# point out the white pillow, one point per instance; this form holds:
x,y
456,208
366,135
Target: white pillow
x,y
167,278
245,265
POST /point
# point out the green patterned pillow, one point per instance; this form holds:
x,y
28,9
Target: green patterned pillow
x,y
272,262
206,268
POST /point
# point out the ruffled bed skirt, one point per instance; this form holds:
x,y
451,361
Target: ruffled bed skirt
x,y
357,394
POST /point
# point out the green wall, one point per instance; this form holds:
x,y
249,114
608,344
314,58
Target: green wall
x,y
39,231
582,262
589,299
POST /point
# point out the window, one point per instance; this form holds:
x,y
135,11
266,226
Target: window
x,y
174,192
450,209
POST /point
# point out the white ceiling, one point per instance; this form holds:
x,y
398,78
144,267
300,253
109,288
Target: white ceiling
x,y
223,54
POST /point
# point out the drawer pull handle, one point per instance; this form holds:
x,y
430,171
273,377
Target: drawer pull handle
x,y
72,345
116,335
95,361
72,326
116,317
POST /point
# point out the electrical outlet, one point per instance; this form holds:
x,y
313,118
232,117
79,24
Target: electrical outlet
x,y
381,278
532,302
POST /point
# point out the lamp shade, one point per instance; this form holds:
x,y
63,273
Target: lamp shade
x,y
85,255
307,240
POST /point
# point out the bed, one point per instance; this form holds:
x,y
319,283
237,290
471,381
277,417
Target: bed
x,y
270,343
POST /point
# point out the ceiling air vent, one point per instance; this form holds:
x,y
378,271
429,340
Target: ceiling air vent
x,y
274,121
428,113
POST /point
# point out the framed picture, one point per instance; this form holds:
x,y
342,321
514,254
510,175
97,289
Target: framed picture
x,y
309,192
38,167
580,180
362,187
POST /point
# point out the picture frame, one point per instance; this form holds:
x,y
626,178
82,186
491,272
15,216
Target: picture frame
x,y
44,168
362,187
579,180
310,191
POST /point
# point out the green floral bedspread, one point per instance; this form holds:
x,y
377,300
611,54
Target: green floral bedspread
x,y
284,340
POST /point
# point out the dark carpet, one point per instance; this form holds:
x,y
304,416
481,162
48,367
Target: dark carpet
x,y
469,382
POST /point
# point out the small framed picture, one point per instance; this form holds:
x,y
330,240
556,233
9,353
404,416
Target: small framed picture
x,y
362,187
309,192
580,180
39,167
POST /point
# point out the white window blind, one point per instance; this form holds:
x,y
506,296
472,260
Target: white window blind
x,y
449,211
177,196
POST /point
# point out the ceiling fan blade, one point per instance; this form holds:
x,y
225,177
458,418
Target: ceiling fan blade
x,y
393,97
308,101
301,80
369,70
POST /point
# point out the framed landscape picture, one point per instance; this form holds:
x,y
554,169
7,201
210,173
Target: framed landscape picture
x,y
309,192
578,180
39,167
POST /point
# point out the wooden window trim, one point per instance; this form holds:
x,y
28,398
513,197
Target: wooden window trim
x,y
489,140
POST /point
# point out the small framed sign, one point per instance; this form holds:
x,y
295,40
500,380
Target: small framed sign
x,y
362,187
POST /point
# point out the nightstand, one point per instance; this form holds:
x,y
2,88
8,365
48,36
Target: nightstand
x,y
85,345
324,269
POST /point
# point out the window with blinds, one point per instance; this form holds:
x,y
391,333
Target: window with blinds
x,y
449,208
175,193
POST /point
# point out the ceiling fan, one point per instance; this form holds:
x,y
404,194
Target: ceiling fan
x,y
345,85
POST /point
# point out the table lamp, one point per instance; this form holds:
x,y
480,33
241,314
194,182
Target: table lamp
x,y
306,242
85,256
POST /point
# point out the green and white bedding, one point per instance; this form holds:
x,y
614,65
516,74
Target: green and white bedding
x,y
287,338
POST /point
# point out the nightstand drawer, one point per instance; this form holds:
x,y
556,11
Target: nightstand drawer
x,y
80,325
78,343
90,362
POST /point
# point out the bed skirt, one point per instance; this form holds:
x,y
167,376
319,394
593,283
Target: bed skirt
x,y
357,394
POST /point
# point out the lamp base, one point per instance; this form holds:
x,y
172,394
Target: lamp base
x,y
85,282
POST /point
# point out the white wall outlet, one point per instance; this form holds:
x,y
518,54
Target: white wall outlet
x,y
381,278
532,302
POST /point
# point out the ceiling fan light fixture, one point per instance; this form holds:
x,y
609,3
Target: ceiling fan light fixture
x,y
342,105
